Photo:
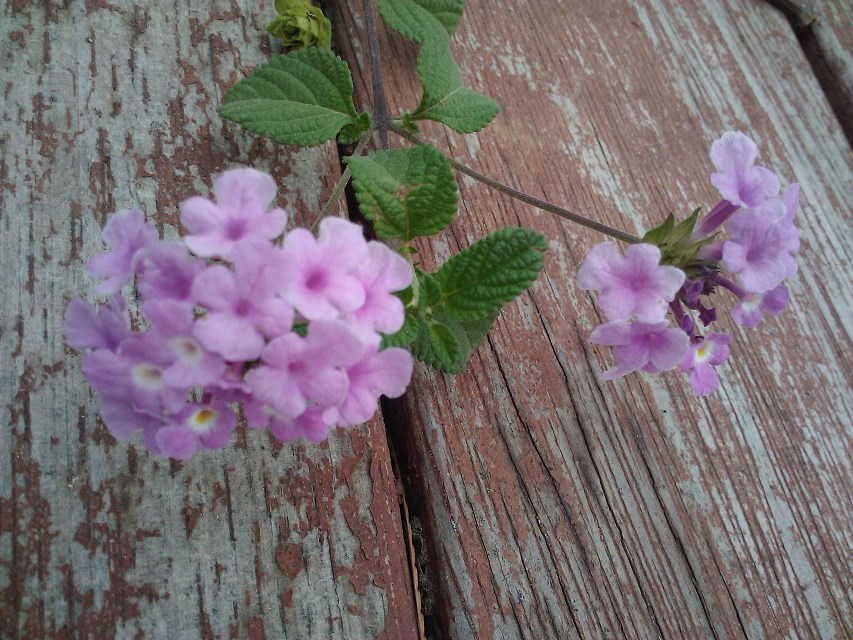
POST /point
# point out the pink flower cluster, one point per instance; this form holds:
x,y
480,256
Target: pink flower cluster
x,y
637,290
290,330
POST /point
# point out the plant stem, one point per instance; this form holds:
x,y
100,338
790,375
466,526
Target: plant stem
x,y
343,180
523,197
381,119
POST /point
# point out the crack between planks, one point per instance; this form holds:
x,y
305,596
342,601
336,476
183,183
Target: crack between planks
x,y
393,423
829,62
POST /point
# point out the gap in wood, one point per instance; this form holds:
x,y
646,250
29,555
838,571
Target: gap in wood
x,y
828,61
426,569
414,541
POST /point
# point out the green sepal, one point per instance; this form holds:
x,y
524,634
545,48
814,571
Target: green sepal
x,y
444,98
660,233
420,19
352,132
480,279
677,246
302,98
406,192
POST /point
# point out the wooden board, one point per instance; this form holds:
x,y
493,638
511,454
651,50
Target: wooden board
x,y
111,105
555,505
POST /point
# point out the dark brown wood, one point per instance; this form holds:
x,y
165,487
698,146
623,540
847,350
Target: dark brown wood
x,y
555,505
112,105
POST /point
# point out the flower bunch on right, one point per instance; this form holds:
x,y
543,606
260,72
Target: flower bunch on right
x,y
744,245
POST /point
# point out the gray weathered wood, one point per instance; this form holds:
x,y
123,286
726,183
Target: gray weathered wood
x,y
111,105
555,505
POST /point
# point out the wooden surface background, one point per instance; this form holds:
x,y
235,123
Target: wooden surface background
x,y
538,501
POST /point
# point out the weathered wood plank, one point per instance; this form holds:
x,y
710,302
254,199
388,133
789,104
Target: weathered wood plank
x,y
825,31
108,106
555,505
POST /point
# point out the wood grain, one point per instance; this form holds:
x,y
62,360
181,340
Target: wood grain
x,y
112,105
555,505
825,31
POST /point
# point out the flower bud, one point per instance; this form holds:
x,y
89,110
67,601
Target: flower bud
x,y
300,24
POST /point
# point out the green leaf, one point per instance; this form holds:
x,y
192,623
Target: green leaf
x,y
352,132
445,99
405,192
441,345
477,329
405,336
429,291
420,19
302,98
483,277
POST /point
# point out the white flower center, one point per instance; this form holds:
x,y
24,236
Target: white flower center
x,y
147,376
187,349
202,420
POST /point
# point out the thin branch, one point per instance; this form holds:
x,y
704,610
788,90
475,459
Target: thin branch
x,y
343,180
381,118
523,197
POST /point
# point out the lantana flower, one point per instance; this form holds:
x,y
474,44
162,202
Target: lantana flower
x,y
757,247
652,347
705,354
240,214
635,285
289,330
127,233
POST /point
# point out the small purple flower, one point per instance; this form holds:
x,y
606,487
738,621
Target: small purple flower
x,y
762,245
635,285
167,271
319,278
85,328
736,178
386,372
122,420
135,372
126,232
700,361
311,425
749,309
242,305
295,370
208,425
384,272
240,214
651,347
172,322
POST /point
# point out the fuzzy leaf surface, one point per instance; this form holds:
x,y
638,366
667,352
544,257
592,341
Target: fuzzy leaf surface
x,y
444,98
301,98
442,344
405,336
406,192
483,277
419,20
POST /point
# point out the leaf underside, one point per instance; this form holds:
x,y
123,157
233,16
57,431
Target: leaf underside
x,y
419,20
301,98
444,98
